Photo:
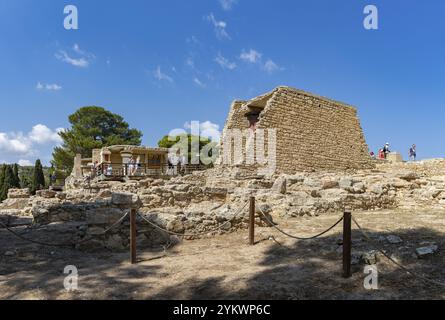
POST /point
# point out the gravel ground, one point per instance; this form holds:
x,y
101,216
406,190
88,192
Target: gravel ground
x,y
225,267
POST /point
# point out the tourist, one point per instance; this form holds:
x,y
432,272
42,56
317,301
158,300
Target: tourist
x,y
386,150
130,166
182,164
136,165
87,180
381,155
94,169
109,171
372,154
172,163
413,153
170,167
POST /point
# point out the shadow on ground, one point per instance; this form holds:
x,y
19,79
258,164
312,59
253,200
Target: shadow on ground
x,y
32,271
312,270
296,270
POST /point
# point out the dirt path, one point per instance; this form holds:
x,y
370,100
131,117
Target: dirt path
x,y
225,267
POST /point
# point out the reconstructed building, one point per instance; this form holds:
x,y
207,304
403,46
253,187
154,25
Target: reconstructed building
x,y
121,161
312,132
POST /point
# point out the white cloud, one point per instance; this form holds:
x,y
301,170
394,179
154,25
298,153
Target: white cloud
x,y
25,163
15,144
83,61
227,4
193,40
48,87
190,62
207,129
81,52
224,62
161,76
210,130
198,82
80,62
42,134
220,27
77,49
271,66
255,57
252,56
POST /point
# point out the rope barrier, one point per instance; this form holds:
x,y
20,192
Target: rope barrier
x,y
33,241
412,273
195,234
27,226
295,237
30,228
18,235
106,230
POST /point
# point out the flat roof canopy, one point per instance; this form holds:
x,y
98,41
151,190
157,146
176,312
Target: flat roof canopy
x,y
135,149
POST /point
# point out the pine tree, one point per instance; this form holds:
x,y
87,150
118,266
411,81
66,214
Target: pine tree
x,y
92,128
16,176
38,181
2,179
7,182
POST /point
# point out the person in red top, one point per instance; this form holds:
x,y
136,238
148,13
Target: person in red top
x,y
381,154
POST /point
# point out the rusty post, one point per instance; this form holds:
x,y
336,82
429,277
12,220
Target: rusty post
x,y
252,221
347,244
133,236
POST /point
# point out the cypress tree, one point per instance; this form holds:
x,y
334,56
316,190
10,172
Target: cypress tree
x,y
2,179
2,174
7,182
16,176
38,181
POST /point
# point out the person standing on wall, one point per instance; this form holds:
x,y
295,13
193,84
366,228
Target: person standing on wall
x,y
381,154
386,150
413,153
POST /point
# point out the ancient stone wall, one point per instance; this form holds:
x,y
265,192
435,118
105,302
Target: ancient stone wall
x,y
313,133
236,117
77,168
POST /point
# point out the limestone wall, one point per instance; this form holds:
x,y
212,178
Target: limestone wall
x,y
313,133
77,168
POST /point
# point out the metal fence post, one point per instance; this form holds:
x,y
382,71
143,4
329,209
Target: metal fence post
x,y
347,244
252,221
133,236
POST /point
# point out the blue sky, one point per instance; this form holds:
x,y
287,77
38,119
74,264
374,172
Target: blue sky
x,y
161,64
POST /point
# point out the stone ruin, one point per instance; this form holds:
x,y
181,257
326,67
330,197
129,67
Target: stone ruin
x,y
325,169
312,132
201,202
